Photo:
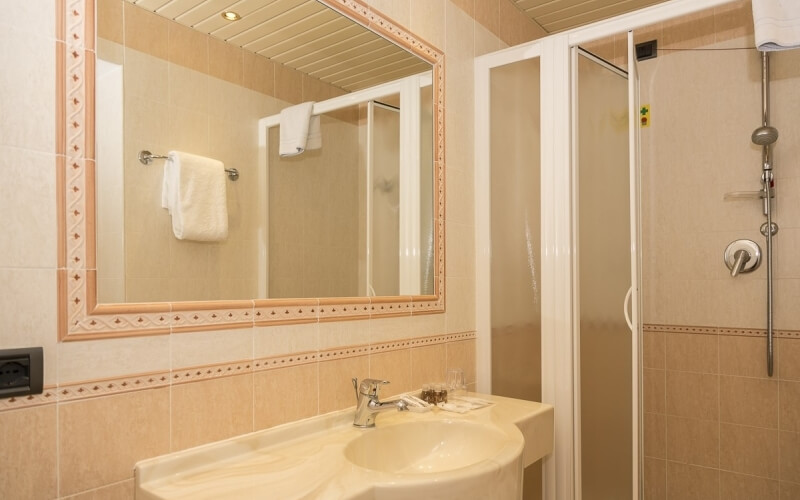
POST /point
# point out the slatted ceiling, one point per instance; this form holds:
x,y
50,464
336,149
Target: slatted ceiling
x,y
382,76
346,68
332,54
347,76
302,34
215,21
563,22
561,15
286,22
274,43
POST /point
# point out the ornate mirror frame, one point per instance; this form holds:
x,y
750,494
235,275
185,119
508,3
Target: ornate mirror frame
x,y
80,317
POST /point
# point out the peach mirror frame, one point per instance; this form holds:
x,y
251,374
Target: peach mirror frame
x,y
80,317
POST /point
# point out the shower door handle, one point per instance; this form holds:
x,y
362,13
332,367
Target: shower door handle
x,y
625,306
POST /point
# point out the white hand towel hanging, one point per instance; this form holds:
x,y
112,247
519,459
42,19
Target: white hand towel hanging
x,y
194,193
777,24
299,130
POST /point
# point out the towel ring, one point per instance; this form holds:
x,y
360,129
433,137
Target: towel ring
x,y
146,158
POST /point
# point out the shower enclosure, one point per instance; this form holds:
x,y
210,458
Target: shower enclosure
x,y
557,240
704,418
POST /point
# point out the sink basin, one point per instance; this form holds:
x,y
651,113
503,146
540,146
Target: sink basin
x,y
425,447
437,454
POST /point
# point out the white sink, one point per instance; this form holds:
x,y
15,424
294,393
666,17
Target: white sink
x,y
425,447
479,454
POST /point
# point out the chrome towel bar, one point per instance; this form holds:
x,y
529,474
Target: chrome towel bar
x,y
146,157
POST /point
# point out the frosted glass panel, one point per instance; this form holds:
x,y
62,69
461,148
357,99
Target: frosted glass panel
x,y
516,242
604,277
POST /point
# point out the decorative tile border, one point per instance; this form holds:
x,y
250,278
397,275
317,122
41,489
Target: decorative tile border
x,y
712,330
80,318
112,386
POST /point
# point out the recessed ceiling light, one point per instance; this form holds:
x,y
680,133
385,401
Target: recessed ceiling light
x,y
230,15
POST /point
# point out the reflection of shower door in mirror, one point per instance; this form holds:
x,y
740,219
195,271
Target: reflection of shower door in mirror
x,y
602,219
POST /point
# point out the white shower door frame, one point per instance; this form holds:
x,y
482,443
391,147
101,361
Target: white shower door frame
x,y
558,311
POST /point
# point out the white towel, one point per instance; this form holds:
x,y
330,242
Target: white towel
x,y
194,193
299,130
777,24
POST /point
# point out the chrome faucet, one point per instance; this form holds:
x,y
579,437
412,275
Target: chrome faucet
x,y
367,404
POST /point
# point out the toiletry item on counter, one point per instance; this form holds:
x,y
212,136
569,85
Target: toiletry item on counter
x,y
415,404
463,404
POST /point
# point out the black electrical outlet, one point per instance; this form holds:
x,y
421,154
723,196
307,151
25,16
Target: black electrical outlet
x,y
21,371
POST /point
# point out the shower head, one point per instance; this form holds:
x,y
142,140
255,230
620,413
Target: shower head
x,y
764,136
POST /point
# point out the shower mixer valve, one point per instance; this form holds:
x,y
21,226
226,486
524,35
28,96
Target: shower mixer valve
x,y
742,256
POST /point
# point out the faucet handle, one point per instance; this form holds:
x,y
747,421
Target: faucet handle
x,y
370,386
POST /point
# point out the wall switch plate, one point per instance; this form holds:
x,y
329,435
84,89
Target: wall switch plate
x,y
21,371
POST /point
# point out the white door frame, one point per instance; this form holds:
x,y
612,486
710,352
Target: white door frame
x,y
558,326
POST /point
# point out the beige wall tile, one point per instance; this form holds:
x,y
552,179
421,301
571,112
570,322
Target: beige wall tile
x,y
655,435
288,84
692,353
34,228
460,250
655,479
749,450
225,61
790,456
689,482
428,364
748,401
210,410
515,27
654,350
654,390
28,306
335,382
146,32
28,460
460,304
790,406
108,358
692,441
733,21
109,20
118,491
258,73
789,491
188,47
742,487
487,12
789,367
394,366
468,6
28,102
344,333
99,440
461,354
692,395
285,394
285,339
744,356
217,346
427,19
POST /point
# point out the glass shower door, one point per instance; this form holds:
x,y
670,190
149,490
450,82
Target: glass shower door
x,y
602,208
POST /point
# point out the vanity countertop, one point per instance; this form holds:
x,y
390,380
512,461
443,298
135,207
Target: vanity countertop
x,y
306,459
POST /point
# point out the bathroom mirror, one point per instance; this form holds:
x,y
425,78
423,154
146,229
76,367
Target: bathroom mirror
x,y
289,221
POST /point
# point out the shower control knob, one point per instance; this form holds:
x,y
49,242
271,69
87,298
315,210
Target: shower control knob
x,y
742,256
